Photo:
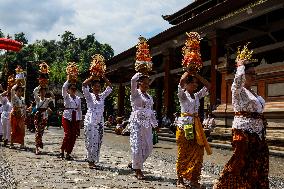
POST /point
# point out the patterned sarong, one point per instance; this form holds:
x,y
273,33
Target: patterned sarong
x,y
248,167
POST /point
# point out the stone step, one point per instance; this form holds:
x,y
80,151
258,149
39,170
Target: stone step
x,y
224,144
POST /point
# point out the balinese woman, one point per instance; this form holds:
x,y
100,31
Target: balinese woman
x,y
142,120
5,98
71,118
40,118
94,121
248,167
18,116
190,152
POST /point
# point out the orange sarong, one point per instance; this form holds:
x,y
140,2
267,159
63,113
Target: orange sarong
x,y
249,166
18,128
190,152
189,158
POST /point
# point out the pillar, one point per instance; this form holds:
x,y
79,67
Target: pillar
x,y
159,98
224,89
214,62
261,88
168,60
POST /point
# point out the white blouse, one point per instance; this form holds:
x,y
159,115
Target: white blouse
x,y
6,107
188,104
95,106
71,104
142,106
41,103
244,100
18,102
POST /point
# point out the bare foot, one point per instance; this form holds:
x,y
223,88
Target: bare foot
x,y
180,183
92,165
195,185
139,174
37,152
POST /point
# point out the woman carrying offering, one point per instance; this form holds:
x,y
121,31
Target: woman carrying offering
x,y
142,118
190,151
18,112
72,114
249,165
42,103
94,120
190,137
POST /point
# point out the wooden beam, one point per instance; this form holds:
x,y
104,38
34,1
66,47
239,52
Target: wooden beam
x,y
250,13
250,34
268,47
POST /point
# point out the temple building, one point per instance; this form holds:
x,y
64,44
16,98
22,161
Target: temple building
x,y
224,25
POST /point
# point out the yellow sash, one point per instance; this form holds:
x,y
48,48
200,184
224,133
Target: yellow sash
x,y
200,135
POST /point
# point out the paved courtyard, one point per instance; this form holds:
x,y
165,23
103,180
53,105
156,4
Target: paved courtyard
x,y
23,169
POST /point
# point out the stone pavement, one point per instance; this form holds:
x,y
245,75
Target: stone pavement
x,y
26,170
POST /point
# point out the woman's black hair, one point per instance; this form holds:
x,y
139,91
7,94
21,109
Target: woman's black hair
x,y
18,88
43,88
141,78
93,82
189,79
72,84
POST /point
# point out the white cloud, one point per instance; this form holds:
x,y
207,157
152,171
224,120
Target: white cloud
x,y
116,22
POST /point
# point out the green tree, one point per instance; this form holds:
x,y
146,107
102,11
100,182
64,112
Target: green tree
x,y
21,37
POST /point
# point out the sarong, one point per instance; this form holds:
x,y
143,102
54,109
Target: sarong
x,y
93,141
249,166
40,125
141,143
70,133
189,157
18,127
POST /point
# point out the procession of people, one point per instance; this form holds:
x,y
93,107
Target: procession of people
x,y
247,168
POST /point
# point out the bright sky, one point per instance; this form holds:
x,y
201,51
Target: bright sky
x,y
116,22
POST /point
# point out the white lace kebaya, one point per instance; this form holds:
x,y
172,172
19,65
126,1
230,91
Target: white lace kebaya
x,y
95,107
244,101
189,104
71,104
142,106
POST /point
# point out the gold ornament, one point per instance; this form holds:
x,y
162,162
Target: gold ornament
x,y
98,67
245,54
191,53
44,68
143,62
72,71
43,77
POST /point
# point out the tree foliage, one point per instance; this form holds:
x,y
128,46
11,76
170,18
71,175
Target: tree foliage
x,y
55,53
